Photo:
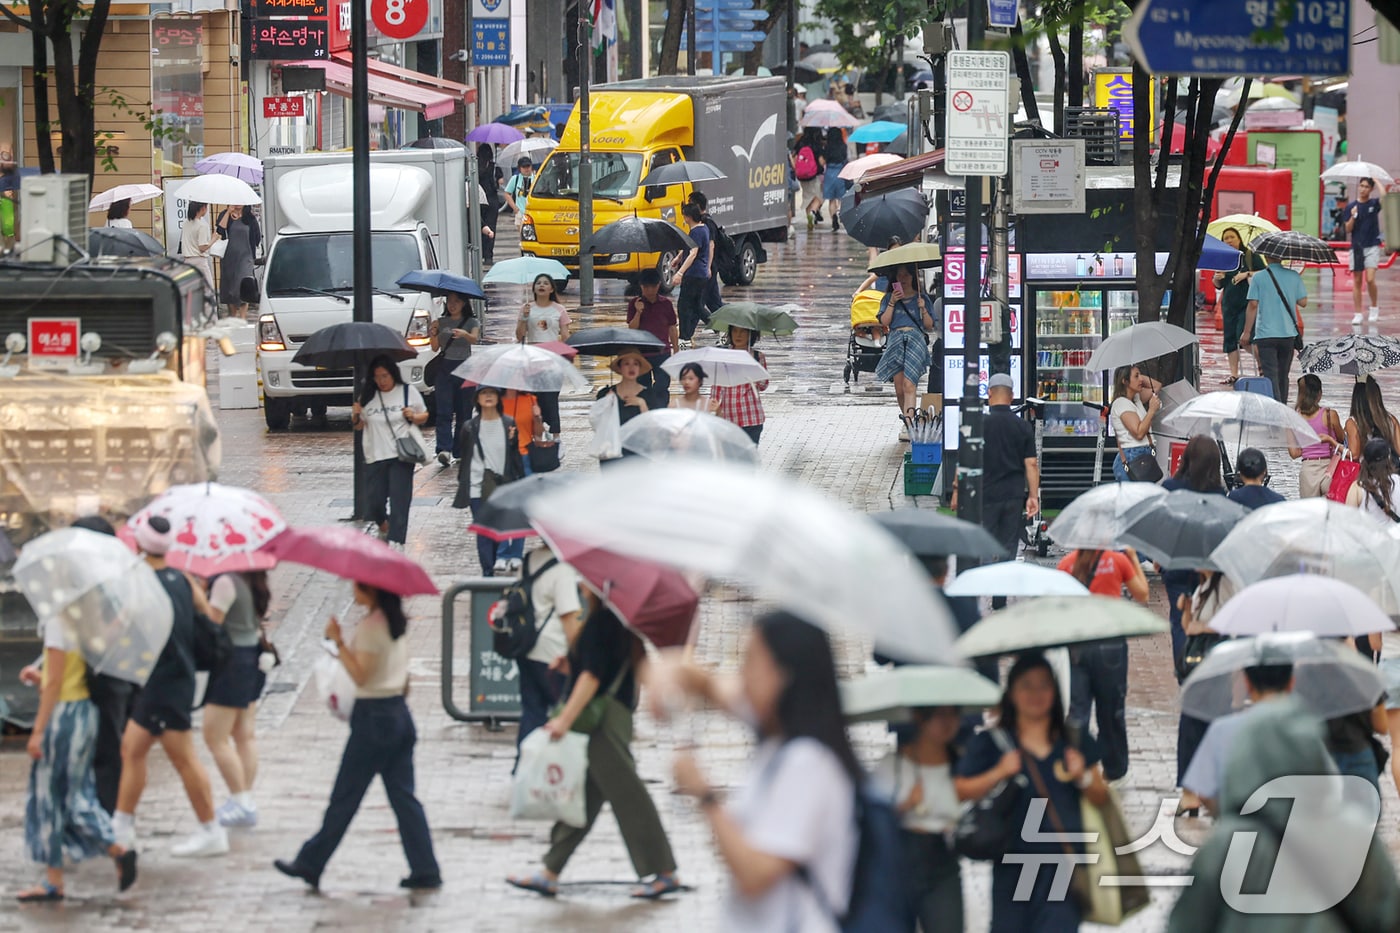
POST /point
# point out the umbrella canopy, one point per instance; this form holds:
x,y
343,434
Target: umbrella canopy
x,y
684,172
1245,417
537,148
522,367
674,432
1181,529
237,165
1329,677
498,134
913,254
1275,103
502,516
610,341
1217,256
121,241
1351,354
752,316
931,534
895,112
881,131
893,695
1248,226
1095,519
654,600
522,270
1355,170
558,346
1314,536
822,63
854,169
440,284
833,117
722,367
879,218
353,555
133,193
435,142
797,547
1140,342
1015,578
1292,246
109,602
217,528
640,235
900,146
341,346
1052,621
219,189
1301,603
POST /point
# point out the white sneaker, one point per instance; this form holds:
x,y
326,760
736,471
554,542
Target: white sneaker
x,y
232,813
516,565
203,844
502,565
1356,319
1375,315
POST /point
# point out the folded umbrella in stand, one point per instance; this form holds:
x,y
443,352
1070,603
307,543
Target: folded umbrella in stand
x,y
893,695
440,284
930,534
217,528
879,218
1293,246
1330,678
610,341
1133,345
752,316
640,235
522,367
341,346
353,555
1015,578
673,432
1351,354
1055,621
1301,603
1181,529
683,172
502,516
1095,519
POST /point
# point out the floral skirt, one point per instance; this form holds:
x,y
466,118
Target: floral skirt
x,y
62,817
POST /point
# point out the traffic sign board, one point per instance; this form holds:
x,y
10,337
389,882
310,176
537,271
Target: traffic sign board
x,y
979,117
1208,38
705,6
399,19
730,35
1001,14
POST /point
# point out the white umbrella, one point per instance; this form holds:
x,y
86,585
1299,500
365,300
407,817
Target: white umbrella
x,y
1301,603
522,367
804,551
1275,103
1132,345
1055,621
1314,536
722,367
219,189
1095,519
892,695
537,148
1329,677
133,193
828,113
238,165
1248,418
1015,578
1355,170
218,528
857,167
675,432
522,270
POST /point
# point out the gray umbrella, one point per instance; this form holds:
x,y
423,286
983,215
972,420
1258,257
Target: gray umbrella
x,y
877,219
640,235
930,534
1182,528
121,241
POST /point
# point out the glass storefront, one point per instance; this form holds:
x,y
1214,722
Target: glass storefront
x,y
177,93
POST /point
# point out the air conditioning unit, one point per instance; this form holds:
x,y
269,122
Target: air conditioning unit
x,y
52,206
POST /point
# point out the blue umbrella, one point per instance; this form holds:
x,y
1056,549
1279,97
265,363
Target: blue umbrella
x,y
525,269
1217,256
881,131
439,284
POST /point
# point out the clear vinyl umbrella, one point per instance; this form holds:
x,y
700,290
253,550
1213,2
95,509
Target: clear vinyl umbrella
x,y
1355,170
804,551
1095,519
1181,529
1138,343
1330,677
676,432
1301,603
1055,621
892,695
523,367
1015,578
722,367
1247,418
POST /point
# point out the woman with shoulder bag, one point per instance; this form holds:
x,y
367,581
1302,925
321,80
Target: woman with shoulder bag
x,y
1315,472
604,658
490,458
908,313
1369,418
452,335
1132,421
389,411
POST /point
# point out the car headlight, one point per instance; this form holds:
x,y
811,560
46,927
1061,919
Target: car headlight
x,y
619,257
417,333
269,334
527,228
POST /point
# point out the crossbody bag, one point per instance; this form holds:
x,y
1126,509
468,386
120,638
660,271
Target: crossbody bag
x,y
406,446
1297,318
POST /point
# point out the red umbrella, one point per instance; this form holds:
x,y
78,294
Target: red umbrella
x,y
345,552
560,347
654,601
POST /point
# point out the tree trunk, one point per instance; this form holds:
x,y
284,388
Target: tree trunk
x,y
1023,71
42,127
668,63
1150,285
1075,67
777,14
1057,55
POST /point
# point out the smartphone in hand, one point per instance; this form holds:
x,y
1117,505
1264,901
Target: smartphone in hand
x,y
898,290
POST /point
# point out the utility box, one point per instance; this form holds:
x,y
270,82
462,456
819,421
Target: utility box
x,y
1390,216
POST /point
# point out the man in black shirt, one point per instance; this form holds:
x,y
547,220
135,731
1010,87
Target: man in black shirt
x,y
1010,472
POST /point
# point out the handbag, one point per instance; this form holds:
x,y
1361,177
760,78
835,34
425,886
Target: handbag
x,y
217,249
1114,902
490,479
544,458
1297,318
986,827
1342,477
1195,650
1145,469
591,717
406,446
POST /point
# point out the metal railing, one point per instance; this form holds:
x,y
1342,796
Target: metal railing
x,y
494,680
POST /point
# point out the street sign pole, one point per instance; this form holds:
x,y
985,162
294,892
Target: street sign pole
x,y
585,163
361,248
970,443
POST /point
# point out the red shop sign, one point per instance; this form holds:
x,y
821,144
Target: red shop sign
x,y
284,107
53,341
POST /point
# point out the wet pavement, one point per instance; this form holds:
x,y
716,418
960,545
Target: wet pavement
x,y
842,442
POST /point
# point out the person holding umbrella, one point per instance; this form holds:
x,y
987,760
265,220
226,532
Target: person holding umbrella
x,y
908,313
1369,418
807,164
196,238
1376,491
1199,471
118,214
653,312
490,458
387,409
741,404
1234,298
544,319
693,276
1132,420
628,396
489,174
452,335
1271,323
1363,225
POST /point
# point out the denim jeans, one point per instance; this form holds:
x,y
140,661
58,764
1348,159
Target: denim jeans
x,y
540,688
1361,764
489,551
1099,678
453,402
1120,466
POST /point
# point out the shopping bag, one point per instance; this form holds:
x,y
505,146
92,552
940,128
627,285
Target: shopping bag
x,y
607,429
1110,903
550,779
218,249
1343,476
336,688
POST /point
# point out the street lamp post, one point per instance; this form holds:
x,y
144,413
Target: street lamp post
x,y
361,248
970,443
585,163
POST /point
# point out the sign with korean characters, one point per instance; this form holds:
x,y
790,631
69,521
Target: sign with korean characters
x,y
53,342
1113,90
979,113
1048,176
285,106
288,39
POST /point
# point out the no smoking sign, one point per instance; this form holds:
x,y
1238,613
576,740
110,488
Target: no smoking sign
x,y
962,101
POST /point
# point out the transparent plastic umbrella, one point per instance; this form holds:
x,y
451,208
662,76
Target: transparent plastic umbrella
x,y
1054,621
1095,519
892,695
1329,676
108,601
1247,418
722,367
1301,603
675,432
1138,343
523,367
1015,578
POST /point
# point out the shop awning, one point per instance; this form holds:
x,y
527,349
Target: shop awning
x,y
906,174
462,92
387,91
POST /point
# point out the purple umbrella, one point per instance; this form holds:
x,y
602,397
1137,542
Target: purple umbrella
x,y
238,165
497,133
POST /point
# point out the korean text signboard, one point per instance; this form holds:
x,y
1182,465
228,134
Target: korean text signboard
x,y
1049,176
274,107
490,42
1113,90
265,9
979,118
53,342
289,39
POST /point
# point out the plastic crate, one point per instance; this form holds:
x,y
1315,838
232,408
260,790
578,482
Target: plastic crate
x,y
925,454
919,477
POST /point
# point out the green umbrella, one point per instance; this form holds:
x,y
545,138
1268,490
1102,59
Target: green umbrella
x,y
753,316
889,696
1053,621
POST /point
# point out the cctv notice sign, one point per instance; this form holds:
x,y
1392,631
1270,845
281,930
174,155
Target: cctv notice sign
x,y
979,118
1048,176
53,342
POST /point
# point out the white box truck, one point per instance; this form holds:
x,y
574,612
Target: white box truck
x,y
418,219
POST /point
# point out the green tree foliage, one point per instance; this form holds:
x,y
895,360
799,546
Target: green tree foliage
x,y
866,30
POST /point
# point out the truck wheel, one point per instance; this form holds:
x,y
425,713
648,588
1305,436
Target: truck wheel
x,y
277,413
746,265
666,259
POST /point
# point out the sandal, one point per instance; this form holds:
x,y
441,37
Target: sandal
x,y
1230,380
539,882
659,886
45,893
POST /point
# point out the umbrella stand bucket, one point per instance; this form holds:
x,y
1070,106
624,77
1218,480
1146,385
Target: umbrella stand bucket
x,y
926,454
919,477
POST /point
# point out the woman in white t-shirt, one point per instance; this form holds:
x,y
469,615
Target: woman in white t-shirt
x,y
196,237
1376,491
1132,418
543,319
386,410
555,598
790,832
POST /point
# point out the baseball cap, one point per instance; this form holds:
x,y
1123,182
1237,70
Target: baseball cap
x,y
1251,463
1001,381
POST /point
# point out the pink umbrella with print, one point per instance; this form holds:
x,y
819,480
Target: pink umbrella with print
x,y
353,555
217,528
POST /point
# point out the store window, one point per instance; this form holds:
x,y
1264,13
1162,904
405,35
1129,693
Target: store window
x,y
177,93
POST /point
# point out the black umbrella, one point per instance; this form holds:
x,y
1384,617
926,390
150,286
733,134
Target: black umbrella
x,y
610,341
899,145
1182,528
1292,246
120,241
931,534
801,74
502,517
435,142
878,218
640,235
688,172
894,113
341,346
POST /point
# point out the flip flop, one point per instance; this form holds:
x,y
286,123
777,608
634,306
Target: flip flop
x,y
659,886
538,882
44,894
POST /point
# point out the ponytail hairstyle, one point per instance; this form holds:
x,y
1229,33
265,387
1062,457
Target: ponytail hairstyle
x,y
1086,565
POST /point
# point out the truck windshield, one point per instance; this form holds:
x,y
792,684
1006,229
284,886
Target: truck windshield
x,y
615,175
324,261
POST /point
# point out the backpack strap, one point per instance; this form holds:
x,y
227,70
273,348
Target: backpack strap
x,y
1380,504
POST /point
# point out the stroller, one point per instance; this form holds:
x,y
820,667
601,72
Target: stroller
x,y
868,336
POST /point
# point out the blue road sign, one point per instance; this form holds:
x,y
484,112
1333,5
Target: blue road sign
x,y
1001,14
1211,38
706,6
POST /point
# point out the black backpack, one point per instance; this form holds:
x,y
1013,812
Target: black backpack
x,y
212,645
514,629
726,252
